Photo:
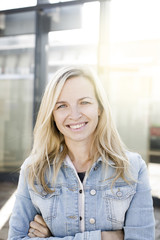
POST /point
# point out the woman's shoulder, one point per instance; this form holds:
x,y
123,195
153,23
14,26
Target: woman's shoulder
x,y
134,158
136,162
27,162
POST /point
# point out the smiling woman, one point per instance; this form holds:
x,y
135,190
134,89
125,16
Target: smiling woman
x,y
79,181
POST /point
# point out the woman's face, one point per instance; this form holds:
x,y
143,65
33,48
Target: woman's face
x,y
76,111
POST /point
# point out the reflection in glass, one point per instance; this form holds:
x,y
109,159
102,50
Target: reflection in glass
x,y
133,80
77,46
16,100
8,4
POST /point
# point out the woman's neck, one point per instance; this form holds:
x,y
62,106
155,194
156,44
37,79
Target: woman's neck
x,y
79,155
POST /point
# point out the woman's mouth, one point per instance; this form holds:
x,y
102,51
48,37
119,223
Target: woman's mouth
x,y
77,126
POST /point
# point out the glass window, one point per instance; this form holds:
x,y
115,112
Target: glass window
x,y
8,4
76,46
134,74
16,99
56,1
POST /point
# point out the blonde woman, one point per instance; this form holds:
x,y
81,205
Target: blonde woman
x,y
79,181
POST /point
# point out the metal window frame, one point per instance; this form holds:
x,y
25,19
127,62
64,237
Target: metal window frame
x,y
42,7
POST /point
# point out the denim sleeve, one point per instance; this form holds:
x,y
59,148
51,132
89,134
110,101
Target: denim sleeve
x,y
140,222
93,235
24,211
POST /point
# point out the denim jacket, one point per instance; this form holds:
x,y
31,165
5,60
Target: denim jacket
x,y
76,211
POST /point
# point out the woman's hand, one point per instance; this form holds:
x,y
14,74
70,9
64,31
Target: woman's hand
x,y
38,228
112,235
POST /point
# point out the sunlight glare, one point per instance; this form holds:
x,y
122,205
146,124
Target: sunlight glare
x,y
6,210
134,20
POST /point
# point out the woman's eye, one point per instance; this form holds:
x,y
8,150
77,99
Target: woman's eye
x,y
62,106
85,102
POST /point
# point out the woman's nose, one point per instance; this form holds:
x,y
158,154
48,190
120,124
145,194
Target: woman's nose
x,y
75,113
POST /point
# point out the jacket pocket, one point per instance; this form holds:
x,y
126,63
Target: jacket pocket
x,y
46,203
117,201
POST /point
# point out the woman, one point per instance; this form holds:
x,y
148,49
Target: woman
x,y
79,181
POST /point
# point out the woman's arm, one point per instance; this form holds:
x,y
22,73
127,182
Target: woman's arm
x,y
24,212
38,228
139,221
112,235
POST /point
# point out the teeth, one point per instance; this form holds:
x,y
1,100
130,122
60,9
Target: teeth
x,y
77,126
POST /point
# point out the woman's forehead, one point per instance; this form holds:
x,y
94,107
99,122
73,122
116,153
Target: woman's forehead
x,y
77,86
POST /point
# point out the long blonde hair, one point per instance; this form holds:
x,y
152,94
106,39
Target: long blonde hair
x,y
49,146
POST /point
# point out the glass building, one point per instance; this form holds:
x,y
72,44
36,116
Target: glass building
x,y
37,39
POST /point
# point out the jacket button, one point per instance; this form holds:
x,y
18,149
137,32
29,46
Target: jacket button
x,y
92,220
93,192
119,194
80,191
95,168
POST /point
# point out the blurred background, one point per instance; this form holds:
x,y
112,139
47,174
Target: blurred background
x,y
120,39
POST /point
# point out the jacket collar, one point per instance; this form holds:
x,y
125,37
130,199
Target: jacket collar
x,y
68,162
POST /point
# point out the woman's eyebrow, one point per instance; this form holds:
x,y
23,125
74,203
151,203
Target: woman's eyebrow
x,y
60,102
80,99
84,98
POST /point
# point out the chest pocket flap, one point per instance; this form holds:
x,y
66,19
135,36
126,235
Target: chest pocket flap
x,y
117,202
46,203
